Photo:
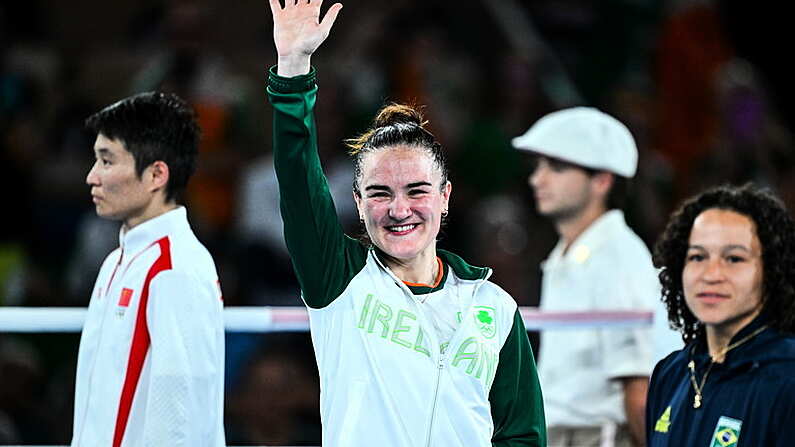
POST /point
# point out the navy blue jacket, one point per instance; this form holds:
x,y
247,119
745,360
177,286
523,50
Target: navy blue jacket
x,y
748,400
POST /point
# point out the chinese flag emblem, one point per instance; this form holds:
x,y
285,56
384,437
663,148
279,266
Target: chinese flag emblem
x,y
124,298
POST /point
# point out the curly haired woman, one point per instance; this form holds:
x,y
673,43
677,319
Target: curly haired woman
x,y
727,261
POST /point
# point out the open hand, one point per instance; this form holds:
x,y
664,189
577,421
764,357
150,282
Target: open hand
x,y
298,32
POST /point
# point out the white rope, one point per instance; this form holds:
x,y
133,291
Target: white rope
x,y
295,319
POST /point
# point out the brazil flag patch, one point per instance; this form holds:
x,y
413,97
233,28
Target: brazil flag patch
x,y
727,432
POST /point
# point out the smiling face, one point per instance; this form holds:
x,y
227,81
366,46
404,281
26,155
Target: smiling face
x,y
723,271
402,201
116,189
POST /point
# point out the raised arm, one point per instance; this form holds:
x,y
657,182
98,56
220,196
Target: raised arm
x,y
298,32
324,259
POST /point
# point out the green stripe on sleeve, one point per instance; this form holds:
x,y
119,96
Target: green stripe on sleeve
x,y
517,407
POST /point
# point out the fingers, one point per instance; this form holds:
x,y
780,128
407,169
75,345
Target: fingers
x,y
275,6
330,18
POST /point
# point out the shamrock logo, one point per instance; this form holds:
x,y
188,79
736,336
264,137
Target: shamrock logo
x,y
484,319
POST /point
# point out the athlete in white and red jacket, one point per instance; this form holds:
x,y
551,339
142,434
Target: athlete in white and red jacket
x,y
150,370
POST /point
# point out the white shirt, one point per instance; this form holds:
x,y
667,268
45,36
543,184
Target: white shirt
x,y
150,370
607,267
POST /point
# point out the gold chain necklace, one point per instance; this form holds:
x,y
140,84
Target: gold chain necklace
x,y
692,365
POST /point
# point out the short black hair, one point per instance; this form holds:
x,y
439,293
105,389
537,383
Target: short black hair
x,y
776,232
154,126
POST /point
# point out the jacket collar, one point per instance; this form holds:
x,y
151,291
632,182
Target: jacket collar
x,y
600,231
460,267
762,348
146,233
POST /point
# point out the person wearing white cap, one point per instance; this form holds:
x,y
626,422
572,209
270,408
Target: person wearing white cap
x,y
594,380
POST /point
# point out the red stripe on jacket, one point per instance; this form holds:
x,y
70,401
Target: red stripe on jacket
x,y
140,343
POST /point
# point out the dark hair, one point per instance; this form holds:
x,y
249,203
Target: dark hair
x,y
776,232
154,126
396,124
617,197
619,190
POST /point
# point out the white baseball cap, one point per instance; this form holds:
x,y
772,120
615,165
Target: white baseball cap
x,y
583,136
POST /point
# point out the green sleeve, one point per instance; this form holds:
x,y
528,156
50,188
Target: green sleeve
x,y
324,258
517,408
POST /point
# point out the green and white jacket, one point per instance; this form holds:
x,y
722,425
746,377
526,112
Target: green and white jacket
x,y
384,378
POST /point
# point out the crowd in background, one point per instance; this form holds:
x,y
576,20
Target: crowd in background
x,y
701,85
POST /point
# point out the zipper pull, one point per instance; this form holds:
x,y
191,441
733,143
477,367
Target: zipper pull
x,y
442,351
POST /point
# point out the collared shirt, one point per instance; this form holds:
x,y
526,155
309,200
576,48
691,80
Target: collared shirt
x,y
607,267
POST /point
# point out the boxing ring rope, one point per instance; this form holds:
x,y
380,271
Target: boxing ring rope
x,y
263,319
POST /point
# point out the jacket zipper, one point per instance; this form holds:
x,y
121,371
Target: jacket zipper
x,y
439,369
442,356
440,366
104,293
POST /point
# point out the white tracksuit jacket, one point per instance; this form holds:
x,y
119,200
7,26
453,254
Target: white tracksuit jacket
x,y
388,378
150,371
383,382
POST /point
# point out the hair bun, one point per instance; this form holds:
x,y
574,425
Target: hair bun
x,y
399,114
394,124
